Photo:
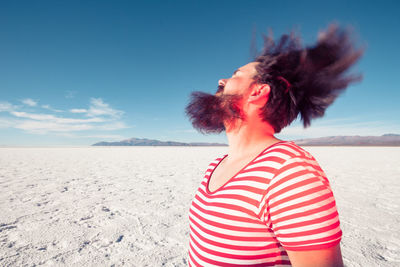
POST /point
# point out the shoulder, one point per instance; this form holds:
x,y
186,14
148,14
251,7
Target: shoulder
x,y
295,161
287,152
289,149
282,155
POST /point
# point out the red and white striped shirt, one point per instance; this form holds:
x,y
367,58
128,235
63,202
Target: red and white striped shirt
x,y
280,201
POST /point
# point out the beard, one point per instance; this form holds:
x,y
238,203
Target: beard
x,y
213,113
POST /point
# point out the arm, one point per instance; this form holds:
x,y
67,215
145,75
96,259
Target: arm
x,y
330,257
301,210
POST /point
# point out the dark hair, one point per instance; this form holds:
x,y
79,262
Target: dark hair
x,y
304,80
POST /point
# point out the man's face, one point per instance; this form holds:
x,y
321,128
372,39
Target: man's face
x,y
240,81
213,113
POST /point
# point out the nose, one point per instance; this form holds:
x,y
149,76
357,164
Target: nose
x,y
221,85
222,82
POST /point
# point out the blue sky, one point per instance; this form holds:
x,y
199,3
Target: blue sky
x,y
79,72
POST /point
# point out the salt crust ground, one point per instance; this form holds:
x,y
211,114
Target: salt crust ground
x,y
114,206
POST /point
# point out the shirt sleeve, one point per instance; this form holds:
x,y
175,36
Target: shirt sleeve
x,y
300,208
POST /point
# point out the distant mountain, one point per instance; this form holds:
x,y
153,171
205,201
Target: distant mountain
x,y
149,142
384,140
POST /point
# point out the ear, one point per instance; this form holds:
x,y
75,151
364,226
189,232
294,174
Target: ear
x,y
259,93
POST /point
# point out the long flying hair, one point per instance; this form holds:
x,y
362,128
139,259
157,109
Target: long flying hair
x,y
305,80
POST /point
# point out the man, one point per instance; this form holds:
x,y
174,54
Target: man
x,y
267,202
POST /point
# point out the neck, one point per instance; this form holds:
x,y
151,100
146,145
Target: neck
x,y
249,139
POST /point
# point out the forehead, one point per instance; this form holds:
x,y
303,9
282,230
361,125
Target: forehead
x,y
250,68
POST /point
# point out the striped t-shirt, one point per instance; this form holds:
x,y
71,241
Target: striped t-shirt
x,y
279,201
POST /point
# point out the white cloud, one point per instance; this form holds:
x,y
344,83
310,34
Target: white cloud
x,y
50,108
32,116
43,127
7,107
6,123
49,117
29,102
102,118
99,108
78,110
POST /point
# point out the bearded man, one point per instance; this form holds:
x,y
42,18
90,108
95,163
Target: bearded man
x,y
268,202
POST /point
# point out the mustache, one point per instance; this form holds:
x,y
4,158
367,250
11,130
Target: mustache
x,y
220,89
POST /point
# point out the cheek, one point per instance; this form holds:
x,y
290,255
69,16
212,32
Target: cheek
x,y
232,86
238,87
